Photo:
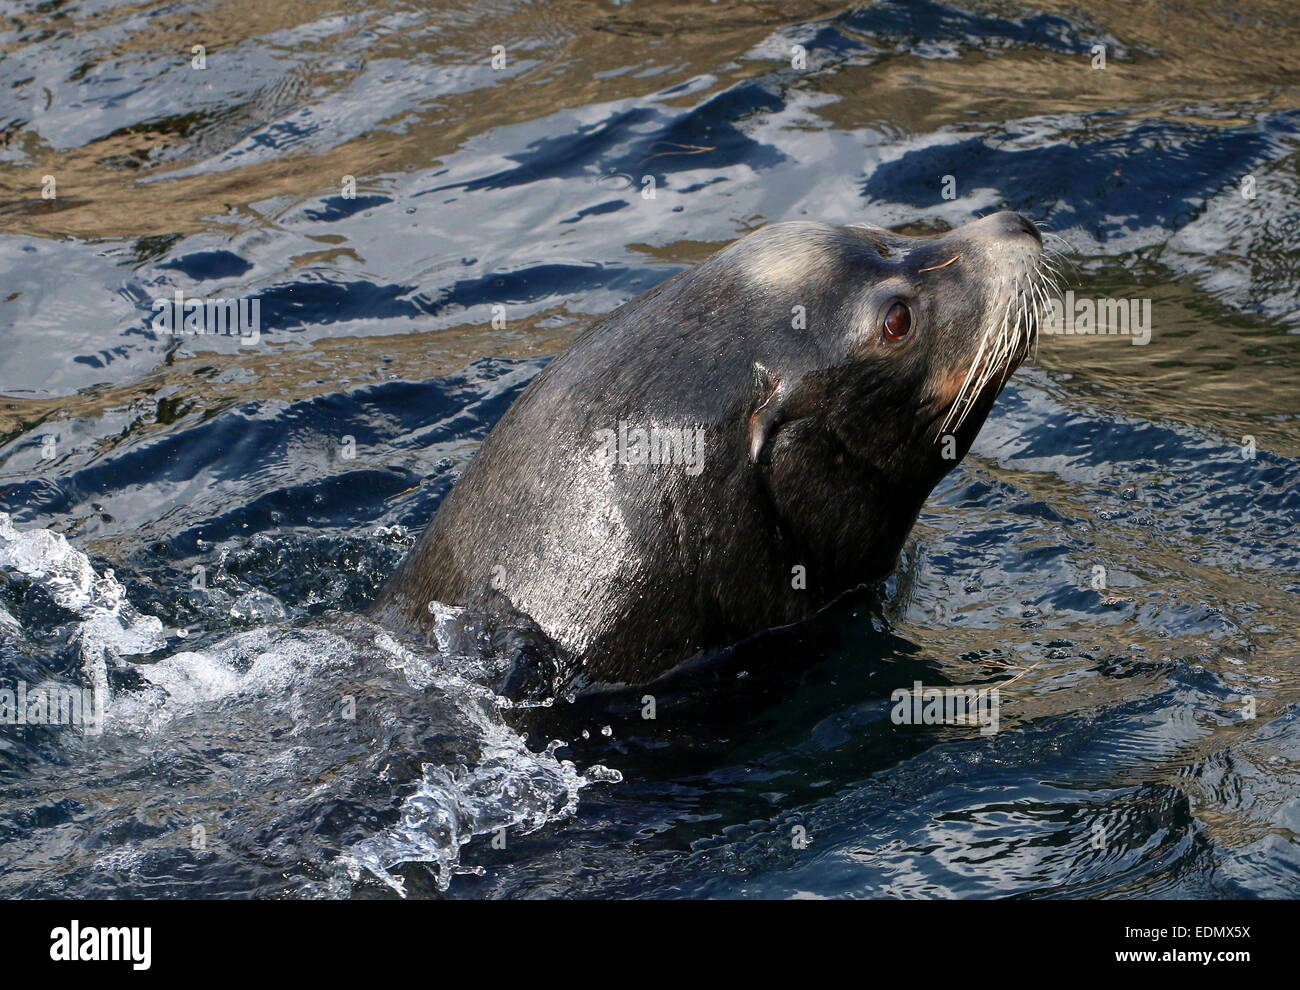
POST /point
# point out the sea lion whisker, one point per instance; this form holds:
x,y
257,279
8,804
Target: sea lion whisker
x,y
1052,233
935,268
986,361
1052,256
1003,344
1040,302
971,372
970,375
982,366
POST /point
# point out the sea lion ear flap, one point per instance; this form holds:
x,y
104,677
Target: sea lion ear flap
x,y
767,417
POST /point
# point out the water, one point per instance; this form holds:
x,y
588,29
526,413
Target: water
x,y
227,507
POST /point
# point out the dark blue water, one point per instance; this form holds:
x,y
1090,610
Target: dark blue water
x,y
236,502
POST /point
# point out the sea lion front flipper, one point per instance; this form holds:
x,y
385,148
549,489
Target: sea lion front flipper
x,y
768,417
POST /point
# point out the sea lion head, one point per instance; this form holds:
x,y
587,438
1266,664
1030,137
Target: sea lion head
x,y
906,344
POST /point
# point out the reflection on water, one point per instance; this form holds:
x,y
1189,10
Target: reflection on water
x,y
293,473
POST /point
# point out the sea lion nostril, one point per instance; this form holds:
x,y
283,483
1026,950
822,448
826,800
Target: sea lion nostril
x,y
1020,225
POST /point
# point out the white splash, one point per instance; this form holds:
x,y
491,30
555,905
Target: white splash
x,y
110,627
281,682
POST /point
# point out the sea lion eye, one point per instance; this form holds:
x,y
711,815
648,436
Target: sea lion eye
x,y
898,321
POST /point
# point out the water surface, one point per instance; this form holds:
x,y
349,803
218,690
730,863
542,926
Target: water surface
x,y
294,473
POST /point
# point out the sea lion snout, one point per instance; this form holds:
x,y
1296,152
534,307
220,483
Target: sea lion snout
x,y
1004,225
1014,224
994,308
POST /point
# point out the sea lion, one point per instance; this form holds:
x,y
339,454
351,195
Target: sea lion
x,y
734,448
